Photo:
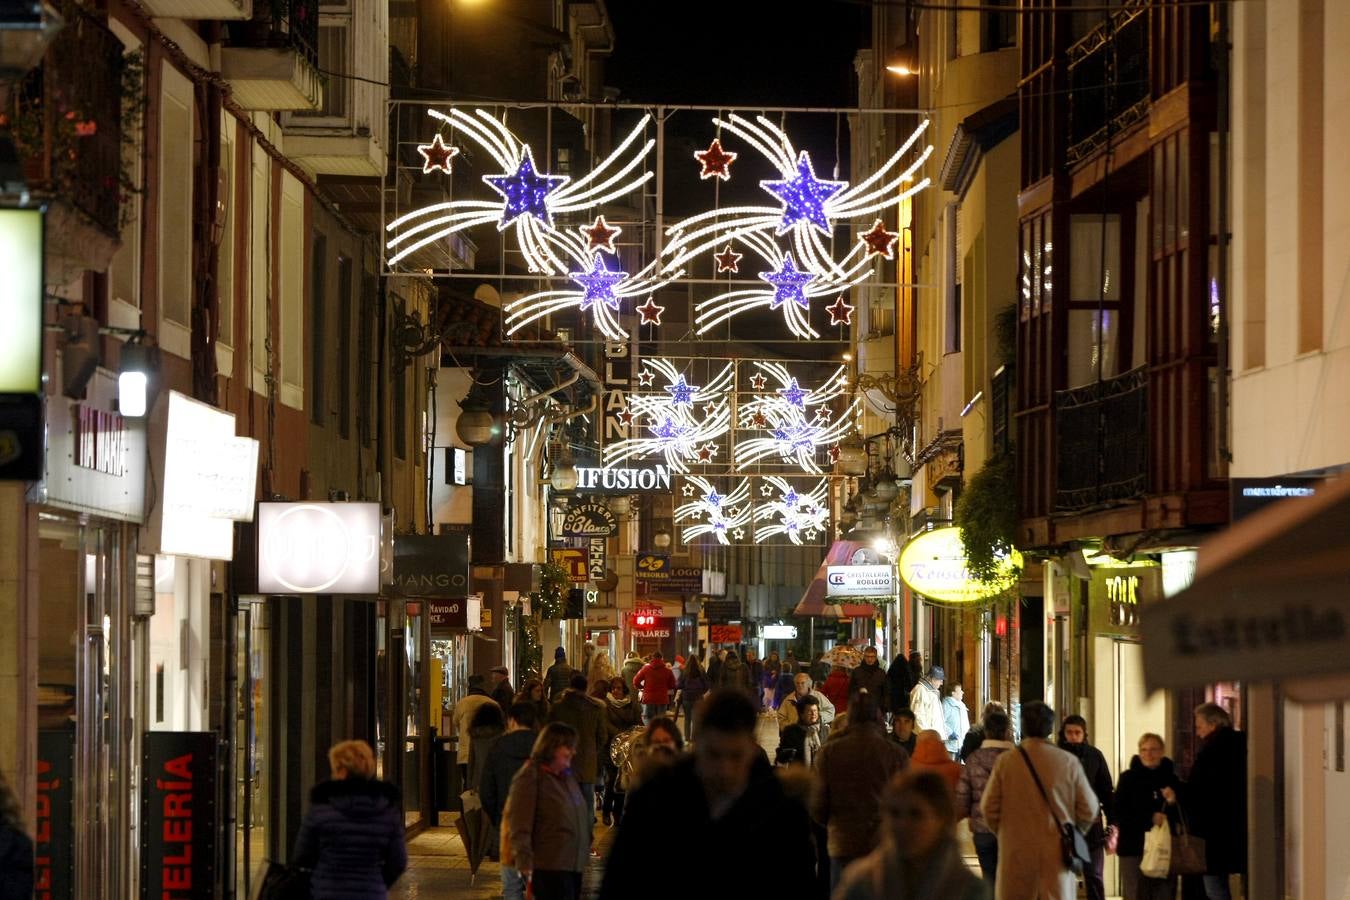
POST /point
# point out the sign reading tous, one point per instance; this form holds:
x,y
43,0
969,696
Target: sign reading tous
x,y
318,548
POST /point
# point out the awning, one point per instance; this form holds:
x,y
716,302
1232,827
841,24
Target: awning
x,y
1270,600
813,602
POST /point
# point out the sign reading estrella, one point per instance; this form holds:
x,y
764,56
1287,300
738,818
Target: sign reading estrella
x,y
934,566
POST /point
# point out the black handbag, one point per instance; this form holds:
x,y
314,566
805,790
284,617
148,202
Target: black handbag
x,y
1073,845
283,882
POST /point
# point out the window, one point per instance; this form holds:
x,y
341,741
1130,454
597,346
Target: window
x,y
225,258
318,293
291,308
1000,28
124,271
344,340
1095,298
175,212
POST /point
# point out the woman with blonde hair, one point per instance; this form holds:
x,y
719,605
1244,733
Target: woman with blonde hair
x,y
602,669
352,836
547,820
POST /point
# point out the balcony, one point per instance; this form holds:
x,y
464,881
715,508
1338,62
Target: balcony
x,y
272,61
1108,81
201,9
1101,432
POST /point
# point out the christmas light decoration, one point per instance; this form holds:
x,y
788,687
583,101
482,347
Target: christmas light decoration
x,y
715,161
728,260
681,393
600,235
804,196
793,394
436,156
602,292
791,416
792,514
645,378
758,381
788,284
879,241
840,312
713,513
650,312
525,191
673,429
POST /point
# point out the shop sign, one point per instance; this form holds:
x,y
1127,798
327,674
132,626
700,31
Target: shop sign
x,y
432,565
447,616
859,581
589,519
779,632
573,560
595,560
1251,495
54,834
318,548
724,634
21,301
934,566
209,479
623,480
178,815
1116,594
663,578
95,458
650,624
100,440
721,612
601,617
618,379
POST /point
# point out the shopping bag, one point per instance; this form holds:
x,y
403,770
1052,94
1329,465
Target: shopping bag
x,y
1157,861
1188,852
283,882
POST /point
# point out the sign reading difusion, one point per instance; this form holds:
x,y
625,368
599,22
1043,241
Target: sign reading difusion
x,y
934,566
178,820
595,480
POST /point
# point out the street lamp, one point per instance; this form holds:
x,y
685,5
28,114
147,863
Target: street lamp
x,y
564,475
662,539
475,425
852,455
133,379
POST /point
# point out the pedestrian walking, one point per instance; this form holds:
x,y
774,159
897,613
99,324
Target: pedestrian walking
x,y
802,740
899,684
997,729
869,676
853,770
835,687
533,692
773,668
1073,737
755,677
802,687
1030,850
548,817
957,719
631,666
931,753
623,714
601,669
1214,798
917,858
16,849
693,687
352,836
1140,802
903,730
488,724
558,676
725,798
786,677
657,683
502,692
734,674
508,753
463,716
715,658
975,736
926,702
587,717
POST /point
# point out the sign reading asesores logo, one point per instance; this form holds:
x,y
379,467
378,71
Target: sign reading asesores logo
x,y
318,548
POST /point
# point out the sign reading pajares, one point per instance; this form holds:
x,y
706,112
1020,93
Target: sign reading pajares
x,y
178,815
318,548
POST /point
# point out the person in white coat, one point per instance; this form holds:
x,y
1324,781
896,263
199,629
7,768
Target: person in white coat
x,y
925,700
1031,861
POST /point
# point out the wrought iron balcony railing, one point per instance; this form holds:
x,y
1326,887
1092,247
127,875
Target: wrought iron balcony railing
x,y
1101,436
1108,80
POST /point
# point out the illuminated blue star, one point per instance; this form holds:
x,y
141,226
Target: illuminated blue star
x,y
797,436
669,430
599,284
712,498
794,395
790,498
804,196
681,394
525,191
788,283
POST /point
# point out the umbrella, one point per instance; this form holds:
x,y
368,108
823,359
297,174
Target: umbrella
x,y
843,655
474,830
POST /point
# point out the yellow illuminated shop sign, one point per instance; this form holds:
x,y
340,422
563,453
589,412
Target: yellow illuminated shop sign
x,y
934,566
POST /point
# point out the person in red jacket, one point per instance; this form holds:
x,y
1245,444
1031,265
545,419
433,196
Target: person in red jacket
x,y
836,688
655,681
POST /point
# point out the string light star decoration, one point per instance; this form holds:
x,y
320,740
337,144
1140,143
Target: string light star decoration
x,y
602,292
525,191
787,287
437,155
879,241
600,235
711,513
791,417
804,196
715,161
674,430
840,312
650,312
728,260
792,515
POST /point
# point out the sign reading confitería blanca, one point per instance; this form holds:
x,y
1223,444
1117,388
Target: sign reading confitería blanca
x,y
627,480
589,519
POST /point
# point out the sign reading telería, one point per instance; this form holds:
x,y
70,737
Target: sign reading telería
x,y
596,480
589,519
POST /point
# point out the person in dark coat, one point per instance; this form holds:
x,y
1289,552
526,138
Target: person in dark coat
x,y
589,718
870,677
502,691
976,735
1214,798
755,668
693,686
508,754
899,683
1073,737
725,797
1139,804
16,849
352,836
558,676
489,721
903,730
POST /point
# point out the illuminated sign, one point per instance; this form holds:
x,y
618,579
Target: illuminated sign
x,y
934,566
596,480
595,559
779,632
859,581
590,519
319,548
572,560
21,294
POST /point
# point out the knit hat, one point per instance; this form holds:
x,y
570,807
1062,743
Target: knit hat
x,y
936,672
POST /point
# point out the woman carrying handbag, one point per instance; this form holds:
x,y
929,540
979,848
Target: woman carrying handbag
x,y
1140,805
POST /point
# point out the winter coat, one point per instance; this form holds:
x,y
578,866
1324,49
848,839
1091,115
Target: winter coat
x,y
878,877
1099,776
787,710
972,741
974,779
556,680
797,738
957,719
759,847
16,864
509,752
1030,857
1138,796
481,739
899,683
692,688
931,754
873,680
734,674
504,694
853,769
836,688
820,670
352,837
588,716
755,669
631,666
1214,799
655,681
621,715
463,714
547,821
926,703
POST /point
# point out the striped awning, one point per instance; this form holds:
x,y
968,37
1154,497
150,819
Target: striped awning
x,y
814,601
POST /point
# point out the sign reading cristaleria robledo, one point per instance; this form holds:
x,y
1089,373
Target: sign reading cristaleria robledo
x,y
859,581
589,519
934,566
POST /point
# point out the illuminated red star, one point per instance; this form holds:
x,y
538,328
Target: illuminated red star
x,y
760,420
650,312
709,409
436,156
879,241
728,260
834,454
600,235
645,377
840,312
716,162
707,452
626,417
823,414
757,381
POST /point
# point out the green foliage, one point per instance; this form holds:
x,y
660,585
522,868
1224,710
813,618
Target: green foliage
x,y
987,516
551,599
